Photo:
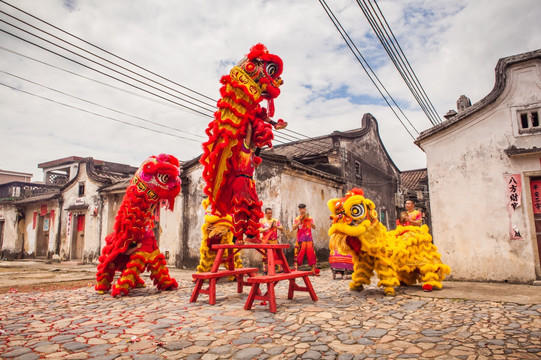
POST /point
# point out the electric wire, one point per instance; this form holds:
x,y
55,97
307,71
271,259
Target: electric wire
x,y
102,106
405,76
281,137
108,61
107,52
95,62
286,138
399,59
431,106
358,55
99,82
96,114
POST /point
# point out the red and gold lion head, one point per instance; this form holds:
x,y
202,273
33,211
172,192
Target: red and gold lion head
x,y
264,69
158,179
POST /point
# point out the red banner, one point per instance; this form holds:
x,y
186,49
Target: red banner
x,y
81,223
43,209
34,219
535,187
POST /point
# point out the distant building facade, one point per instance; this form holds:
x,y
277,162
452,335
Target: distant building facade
x,y
61,216
11,176
484,173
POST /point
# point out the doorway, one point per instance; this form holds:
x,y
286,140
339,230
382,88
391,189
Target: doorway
x,y
42,243
535,187
2,237
78,237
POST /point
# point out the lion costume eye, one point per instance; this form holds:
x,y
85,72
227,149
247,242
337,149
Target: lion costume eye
x,y
357,211
271,69
163,178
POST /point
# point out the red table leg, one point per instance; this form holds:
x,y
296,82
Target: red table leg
x,y
212,291
272,297
251,297
195,294
217,260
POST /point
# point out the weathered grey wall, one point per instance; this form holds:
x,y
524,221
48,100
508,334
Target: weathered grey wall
x,y
8,215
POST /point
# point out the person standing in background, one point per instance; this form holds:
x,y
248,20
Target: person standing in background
x,y
305,244
269,232
414,216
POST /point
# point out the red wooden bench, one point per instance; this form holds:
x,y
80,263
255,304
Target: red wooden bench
x,y
212,277
271,281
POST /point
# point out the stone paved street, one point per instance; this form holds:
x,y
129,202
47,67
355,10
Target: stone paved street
x,y
80,324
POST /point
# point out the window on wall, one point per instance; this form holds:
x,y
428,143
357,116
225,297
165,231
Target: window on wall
x,y
81,189
528,121
358,170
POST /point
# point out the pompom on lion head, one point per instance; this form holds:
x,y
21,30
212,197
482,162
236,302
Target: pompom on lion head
x,y
352,214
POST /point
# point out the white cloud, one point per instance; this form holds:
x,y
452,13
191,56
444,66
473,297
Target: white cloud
x,y
453,46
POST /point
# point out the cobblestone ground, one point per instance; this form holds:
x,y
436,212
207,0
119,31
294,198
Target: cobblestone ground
x,y
80,324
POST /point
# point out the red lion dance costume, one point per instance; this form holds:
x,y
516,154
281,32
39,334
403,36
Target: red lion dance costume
x,y
131,247
240,126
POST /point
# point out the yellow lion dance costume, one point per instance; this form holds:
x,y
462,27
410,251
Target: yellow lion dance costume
x,y
405,255
215,230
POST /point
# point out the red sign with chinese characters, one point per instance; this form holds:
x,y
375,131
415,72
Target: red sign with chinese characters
x,y
535,187
43,211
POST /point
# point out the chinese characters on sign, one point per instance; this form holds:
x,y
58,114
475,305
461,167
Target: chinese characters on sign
x,y
514,190
513,193
535,187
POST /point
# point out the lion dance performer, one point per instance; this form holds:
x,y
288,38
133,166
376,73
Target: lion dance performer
x,y
420,261
403,255
216,230
355,230
241,127
131,247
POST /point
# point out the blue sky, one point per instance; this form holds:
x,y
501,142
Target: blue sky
x,y
453,46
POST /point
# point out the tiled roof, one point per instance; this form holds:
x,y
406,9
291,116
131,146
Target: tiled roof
x,y
39,198
117,186
302,148
409,180
321,144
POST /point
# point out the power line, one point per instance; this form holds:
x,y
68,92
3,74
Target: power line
x,y
107,52
102,106
286,136
96,114
397,56
98,82
95,62
88,51
103,73
86,65
106,60
363,61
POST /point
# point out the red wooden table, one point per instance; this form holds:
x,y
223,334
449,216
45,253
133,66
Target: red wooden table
x,y
275,256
